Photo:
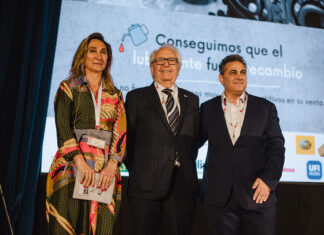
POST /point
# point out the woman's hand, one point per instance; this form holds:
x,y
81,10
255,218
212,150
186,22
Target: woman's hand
x,y
107,175
87,173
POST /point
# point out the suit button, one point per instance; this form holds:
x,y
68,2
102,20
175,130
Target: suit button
x,y
233,149
171,159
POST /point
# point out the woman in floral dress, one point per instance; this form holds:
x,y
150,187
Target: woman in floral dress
x,y
88,99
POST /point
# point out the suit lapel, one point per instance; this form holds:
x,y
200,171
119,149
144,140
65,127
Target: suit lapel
x,y
154,98
249,116
220,113
183,107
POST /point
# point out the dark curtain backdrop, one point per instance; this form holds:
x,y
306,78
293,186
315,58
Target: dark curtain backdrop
x,y
28,32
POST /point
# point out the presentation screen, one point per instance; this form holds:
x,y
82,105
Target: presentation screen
x,y
284,55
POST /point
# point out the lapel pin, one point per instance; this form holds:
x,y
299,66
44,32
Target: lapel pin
x,y
185,96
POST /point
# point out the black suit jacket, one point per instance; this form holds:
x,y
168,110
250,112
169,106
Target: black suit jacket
x,y
258,152
152,147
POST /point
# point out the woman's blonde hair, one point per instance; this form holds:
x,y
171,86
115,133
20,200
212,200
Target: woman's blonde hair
x,y
78,64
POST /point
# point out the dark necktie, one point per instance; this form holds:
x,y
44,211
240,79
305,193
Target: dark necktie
x,y
173,115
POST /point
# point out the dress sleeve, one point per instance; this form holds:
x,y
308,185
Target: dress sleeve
x,y
63,105
118,144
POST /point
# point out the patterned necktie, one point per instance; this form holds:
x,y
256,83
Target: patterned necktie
x,y
172,111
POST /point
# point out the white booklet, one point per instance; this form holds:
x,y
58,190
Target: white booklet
x,y
92,193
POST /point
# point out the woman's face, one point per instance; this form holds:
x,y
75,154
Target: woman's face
x,y
96,58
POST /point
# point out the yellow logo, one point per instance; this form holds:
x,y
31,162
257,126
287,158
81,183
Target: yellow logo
x,y
305,145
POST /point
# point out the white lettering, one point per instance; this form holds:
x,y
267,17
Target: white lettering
x,y
143,59
283,72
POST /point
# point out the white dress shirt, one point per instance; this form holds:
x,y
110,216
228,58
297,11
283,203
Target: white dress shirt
x,y
234,115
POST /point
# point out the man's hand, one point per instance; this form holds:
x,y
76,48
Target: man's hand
x,y
262,191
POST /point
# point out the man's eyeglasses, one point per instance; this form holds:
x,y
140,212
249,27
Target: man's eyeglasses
x,y
161,61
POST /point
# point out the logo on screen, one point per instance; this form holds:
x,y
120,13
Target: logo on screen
x,y
314,170
305,145
138,33
123,168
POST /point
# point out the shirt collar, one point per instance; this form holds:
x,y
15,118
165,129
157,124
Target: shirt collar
x,y
241,100
159,87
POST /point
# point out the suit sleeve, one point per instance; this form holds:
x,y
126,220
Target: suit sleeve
x,y
275,151
130,106
202,132
196,104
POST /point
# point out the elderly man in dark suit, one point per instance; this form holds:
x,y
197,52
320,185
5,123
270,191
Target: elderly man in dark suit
x,y
162,129
245,156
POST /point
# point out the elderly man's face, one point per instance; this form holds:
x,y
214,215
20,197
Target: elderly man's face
x,y
234,78
165,74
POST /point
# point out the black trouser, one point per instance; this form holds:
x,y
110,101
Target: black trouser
x,y
172,215
234,220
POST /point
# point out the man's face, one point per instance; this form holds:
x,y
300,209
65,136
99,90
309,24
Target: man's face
x,y
234,78
165,74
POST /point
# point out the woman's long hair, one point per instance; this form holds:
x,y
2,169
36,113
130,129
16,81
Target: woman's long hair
x,y
78,64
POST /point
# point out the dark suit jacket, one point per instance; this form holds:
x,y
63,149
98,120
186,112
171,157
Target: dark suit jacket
x,y
258,152
152,147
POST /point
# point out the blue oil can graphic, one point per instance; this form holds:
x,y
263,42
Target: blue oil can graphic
x,y
138,34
